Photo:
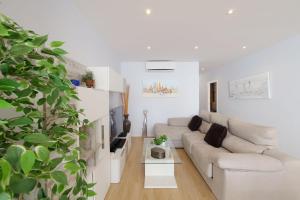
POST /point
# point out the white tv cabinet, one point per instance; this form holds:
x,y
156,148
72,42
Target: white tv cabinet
x,y
118,160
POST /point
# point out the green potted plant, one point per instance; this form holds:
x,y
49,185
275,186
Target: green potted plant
x,y
161,140
39,158
88,78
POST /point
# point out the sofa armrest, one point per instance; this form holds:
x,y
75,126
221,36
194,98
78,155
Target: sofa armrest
x,y
179,121
286,159
247,162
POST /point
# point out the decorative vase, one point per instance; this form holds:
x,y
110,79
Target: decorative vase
x,y
75,82
126,124
90,83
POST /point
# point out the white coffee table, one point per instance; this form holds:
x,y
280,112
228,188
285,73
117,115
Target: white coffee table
x,y
159,173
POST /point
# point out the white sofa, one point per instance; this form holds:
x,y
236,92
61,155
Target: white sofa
x,y
248,166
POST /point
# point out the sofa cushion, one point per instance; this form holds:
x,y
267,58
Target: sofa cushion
x,y
204,126
238,145
195,123
219,119
179,121
216,135
202,154
247,162
189,139
205,116
256,134
172,132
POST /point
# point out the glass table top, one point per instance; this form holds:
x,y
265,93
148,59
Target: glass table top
x,y
170,152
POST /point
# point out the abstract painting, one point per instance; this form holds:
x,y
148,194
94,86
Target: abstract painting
x,y
159,88
252,87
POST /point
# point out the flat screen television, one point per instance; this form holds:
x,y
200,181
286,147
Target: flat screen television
x,y
116,122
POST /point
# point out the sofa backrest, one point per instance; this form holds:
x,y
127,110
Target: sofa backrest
x,y
243,137
260,135
179,121
219,119
205,116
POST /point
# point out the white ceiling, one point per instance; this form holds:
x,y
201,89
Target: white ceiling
x,y
176,26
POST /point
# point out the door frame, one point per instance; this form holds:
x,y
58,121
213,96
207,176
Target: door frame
x,y
208,94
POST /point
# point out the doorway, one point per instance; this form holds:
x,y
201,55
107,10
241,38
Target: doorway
x,y
213,96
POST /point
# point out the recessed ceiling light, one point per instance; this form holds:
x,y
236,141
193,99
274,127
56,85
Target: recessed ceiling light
x,y
149,47
230,11
196,47
148,11
203,69
244,47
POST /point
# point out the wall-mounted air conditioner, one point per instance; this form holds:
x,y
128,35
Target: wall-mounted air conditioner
x,y
160,66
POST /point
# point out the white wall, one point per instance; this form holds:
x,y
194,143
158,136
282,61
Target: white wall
x,y
185,104
62,20
283,110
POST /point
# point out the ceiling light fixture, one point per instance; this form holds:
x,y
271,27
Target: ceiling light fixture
x,y
202,69
149,47
230,11
196,47
148,11
244,47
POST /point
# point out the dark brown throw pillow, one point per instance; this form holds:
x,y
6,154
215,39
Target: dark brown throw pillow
x,y
195,123
215,135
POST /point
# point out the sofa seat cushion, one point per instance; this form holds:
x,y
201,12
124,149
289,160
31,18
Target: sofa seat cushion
x,y
172,132
239,145
203,154
247,162
189,139
256,134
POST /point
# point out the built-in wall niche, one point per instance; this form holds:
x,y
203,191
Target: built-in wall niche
x,y
90,148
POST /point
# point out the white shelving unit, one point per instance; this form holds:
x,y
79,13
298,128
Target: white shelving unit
x,y
118,160
95,103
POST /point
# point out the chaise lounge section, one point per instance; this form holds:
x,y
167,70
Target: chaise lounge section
x,y
248,166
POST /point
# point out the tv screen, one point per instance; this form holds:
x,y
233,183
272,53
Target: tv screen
x,y
116,122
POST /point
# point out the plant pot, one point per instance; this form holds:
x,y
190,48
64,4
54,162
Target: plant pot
x,y
90,83
126,124
163,144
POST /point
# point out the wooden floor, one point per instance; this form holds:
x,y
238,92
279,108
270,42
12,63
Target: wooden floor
x,y
191,186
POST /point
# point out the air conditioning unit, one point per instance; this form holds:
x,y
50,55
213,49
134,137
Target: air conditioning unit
x,y
160,66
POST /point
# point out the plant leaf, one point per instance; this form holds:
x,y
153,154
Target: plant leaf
x,y
5,171
8,84
52,98
27,161
59,51
20,49
5,196
42,153
35,114
4,68
38,41
56,44
4,104
41,101
22,121
3,30
55,162
13,155
91,193
59,177
20,185
37,138
72,167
